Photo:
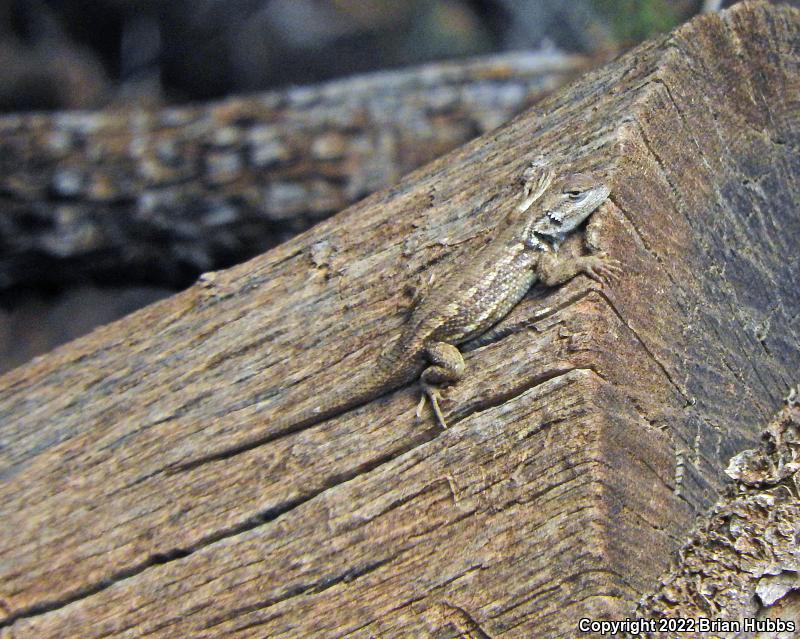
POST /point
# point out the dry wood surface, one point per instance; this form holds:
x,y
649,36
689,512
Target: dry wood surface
x,y
144,493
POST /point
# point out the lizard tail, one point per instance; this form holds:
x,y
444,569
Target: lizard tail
x,y
358,392
392,370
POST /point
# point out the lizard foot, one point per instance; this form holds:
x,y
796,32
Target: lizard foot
x,y
601,269
431,393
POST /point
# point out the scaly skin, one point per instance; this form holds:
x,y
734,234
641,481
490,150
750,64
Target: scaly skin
x,y
473,299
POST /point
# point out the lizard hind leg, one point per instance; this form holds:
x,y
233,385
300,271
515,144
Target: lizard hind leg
x,y
447,366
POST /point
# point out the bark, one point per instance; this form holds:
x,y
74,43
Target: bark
x,y
161,195
145,491
741,565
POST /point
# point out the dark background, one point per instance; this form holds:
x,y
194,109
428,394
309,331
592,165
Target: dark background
x,y
60,54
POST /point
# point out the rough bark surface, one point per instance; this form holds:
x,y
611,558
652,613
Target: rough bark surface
x,y
585,437
743,561
163,195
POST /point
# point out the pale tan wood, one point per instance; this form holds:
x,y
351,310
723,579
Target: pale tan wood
x,y
553,495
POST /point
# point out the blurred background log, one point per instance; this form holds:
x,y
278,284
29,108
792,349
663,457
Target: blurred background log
x,y
158,196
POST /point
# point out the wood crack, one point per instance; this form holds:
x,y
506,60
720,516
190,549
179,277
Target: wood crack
x,y
255,521
314,588
463,622
498,399
647,349
662,167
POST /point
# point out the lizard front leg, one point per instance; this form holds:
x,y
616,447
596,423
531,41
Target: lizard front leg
x,y
553,269
447,366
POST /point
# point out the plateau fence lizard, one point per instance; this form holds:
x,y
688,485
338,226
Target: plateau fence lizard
x,y
473,298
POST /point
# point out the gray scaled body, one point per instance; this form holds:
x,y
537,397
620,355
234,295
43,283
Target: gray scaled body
x,y
475,296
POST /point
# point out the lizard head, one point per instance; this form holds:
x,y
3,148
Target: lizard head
x,y
564,204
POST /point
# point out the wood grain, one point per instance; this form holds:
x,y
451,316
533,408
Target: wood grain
x,y
553,495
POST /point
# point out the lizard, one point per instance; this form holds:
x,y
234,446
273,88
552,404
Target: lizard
x,y
470,300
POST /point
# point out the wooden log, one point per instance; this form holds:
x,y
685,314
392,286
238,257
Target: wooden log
x,y
161,195
145,491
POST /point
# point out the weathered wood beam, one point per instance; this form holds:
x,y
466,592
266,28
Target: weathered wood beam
x,y
145,490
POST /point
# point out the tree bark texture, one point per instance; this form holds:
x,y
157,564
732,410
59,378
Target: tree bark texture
x,y
146,493
743,561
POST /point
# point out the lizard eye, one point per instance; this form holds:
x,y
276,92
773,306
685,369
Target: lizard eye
x,y
575,194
